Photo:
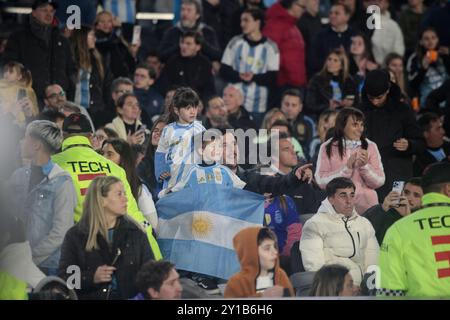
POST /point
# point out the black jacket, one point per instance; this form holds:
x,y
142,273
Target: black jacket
x,y
241,120
425,159
381,220
49,63
99,88
385,125
320,93
135,251
171,40
309,26
435,98
195,72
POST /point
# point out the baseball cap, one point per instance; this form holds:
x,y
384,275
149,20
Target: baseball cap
x,y
38,3
77,123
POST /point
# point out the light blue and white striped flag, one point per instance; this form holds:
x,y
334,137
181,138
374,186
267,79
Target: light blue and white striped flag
x,y
196,227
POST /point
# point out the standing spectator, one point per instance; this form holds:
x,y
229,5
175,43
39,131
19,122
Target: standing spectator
x,y
260,274
361,59
191,12
310,25
412,255
437,149
93,79
389,38
238,116
327,120
127,124
146,169
189,67
409,22
216,115
349,154
428,67
337,35
336,234
124,13
247,4
43,50
390,124
113,47
43,195
395,206
158,280
120,152
332,281
303,127
106,244
281,19
438,18
395,65
149,99
332,87
251,61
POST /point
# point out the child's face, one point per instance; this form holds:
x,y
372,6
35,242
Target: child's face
x,y
186,115
11,75
268,254
213,151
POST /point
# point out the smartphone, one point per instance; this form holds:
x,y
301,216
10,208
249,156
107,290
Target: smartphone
x,y
398,186
142,128
136,35
22,93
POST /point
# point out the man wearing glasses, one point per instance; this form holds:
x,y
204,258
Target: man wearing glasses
x,y
55,97
281,20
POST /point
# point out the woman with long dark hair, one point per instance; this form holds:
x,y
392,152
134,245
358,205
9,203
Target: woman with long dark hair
x,y
333,281
349,154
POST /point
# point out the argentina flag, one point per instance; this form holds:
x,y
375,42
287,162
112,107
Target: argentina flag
x,y
196,227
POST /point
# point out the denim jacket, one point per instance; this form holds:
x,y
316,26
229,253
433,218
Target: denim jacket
x,y
47,211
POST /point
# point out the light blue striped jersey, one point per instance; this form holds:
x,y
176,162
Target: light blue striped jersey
x,y
124,9
259,59
82,89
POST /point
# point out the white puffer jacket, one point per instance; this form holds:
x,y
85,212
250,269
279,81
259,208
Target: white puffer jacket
x,y
332,238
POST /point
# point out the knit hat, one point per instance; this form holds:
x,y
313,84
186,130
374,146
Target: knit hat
x,y
377,83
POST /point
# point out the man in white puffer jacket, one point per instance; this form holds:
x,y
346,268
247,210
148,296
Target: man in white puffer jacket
x,y
338,235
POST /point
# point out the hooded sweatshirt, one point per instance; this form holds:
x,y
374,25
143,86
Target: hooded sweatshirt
x,y
243,283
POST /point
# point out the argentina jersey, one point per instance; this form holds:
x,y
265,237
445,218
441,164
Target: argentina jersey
x,y
175,150
124,9
259,58
196,174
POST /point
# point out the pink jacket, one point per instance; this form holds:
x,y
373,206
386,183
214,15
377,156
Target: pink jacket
x,y
366,178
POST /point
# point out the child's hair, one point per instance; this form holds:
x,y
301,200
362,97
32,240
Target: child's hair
x,y
329,281
184,97
26,78
266,233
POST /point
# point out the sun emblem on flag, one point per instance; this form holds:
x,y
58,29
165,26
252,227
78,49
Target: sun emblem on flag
x,y
202,225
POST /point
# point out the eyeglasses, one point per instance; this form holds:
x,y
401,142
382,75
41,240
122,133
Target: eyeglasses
x,y
122,91
55,95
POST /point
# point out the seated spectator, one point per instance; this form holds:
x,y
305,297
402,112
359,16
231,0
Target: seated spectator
x,y
119,151
394,64
190,20
283,127
146,169
238,116
43,195
127,124
93,77
153,59
395,206
338,235
189,68
52,115
412,260
112,46
216,115
69,108
55,97
106,244
17,95
260,275
100,135
428,67
327,120
252,61
333,87
438,98
349,154
333,280
361,59
149,99
437,149
389,38
338,34
303,127
158,280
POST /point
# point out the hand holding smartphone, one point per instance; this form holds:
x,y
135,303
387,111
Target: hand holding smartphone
x,y
398,186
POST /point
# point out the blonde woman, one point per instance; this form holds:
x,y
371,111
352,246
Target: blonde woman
x,y
107,245
326,122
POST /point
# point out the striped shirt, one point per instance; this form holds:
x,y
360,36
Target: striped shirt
x,y
258,59
175,150
124,9
82,90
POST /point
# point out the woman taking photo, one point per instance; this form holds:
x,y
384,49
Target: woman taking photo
x,y
349,154
121,153
107,245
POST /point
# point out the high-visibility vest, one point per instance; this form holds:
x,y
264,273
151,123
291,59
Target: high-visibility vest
x,y
12,288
